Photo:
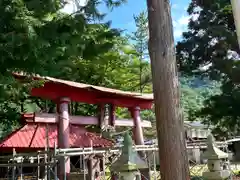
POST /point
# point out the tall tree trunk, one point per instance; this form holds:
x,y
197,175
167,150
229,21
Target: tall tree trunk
x,y
171,141
140,68
140,76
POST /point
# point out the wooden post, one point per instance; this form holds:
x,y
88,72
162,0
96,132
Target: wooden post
x,y
63,136
90,164
90,168
171,141
55,162
13,167
154,166
47,171
21,169
38,167
103,167
84,168
45,167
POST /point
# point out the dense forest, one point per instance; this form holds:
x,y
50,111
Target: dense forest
x,y
38,38
211,42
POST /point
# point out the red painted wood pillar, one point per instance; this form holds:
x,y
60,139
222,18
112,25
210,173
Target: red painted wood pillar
x,y
63,135
101,116
112,116
139,139
137,130
112,119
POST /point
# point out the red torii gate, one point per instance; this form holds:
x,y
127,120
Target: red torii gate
x,y
62,92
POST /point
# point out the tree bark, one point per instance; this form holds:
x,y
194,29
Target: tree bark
x,y
170,131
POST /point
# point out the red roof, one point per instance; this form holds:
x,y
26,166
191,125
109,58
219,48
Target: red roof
x,y
55,88
33,135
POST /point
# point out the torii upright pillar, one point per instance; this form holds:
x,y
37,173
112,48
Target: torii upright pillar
x,y
63,136
138,138
137,131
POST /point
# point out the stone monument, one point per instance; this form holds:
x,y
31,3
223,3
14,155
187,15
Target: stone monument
x,y
215,158
129,163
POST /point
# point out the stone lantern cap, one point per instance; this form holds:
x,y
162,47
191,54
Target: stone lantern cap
x,y
129,159
212,151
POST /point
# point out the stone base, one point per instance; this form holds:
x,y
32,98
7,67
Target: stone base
x,y
216,175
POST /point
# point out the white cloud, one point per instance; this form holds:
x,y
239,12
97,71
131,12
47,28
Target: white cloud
x,y
177,33
174,23
129,25
72,5
180,25
183,20
174,6
69,8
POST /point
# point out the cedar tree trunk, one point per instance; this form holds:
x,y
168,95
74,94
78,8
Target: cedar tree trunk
x,y
170,130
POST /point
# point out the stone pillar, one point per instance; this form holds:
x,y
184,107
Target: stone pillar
x,y
196,154
126,166
137,131
63,135
215,159
102,165
129,163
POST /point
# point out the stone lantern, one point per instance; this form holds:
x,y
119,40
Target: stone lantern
x,y
215,158
129,163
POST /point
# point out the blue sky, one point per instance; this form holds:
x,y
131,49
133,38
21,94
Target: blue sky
x,y
122,17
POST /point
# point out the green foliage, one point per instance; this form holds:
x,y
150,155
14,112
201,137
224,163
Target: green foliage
x,y
140,36
222,111
34,37
194,93
193,97
139,40
37,37
211,40
91,10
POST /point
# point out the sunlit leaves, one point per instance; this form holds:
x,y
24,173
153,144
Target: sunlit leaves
x,y
36,37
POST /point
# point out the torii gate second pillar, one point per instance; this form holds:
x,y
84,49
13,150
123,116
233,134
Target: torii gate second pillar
x,y
139,140
63,136
137,131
